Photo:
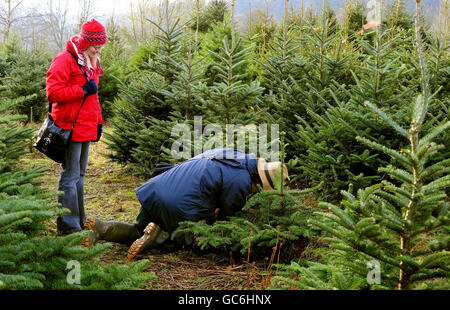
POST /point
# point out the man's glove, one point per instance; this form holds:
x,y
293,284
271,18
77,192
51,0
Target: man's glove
x,y
90,88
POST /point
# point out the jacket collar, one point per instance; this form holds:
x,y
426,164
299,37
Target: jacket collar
x,y
73,45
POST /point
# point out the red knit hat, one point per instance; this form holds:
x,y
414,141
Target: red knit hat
x,y
92,33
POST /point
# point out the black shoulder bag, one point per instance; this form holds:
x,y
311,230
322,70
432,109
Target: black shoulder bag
x,y
52,140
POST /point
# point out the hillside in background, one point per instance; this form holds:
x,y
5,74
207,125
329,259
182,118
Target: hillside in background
x,y
276,7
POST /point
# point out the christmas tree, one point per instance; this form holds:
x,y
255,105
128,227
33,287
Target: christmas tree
x,y
270,220
114,65
326,136
399,226
171,90
25,78
30,258
230,100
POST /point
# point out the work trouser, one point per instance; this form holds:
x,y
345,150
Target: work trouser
x,y
121,232
144,218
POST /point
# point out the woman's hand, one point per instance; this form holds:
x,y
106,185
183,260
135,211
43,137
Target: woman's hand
x,y
90,88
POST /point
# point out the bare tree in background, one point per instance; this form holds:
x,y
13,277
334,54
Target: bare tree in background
x,y
87,11
140,13
137,17
32,28
57,22
9,15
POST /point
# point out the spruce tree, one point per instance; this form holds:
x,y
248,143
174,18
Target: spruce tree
x,y
329,135
230,100
401,224
270,221
356,16
153,100
397,16
213,13
114,64
26,78
30,258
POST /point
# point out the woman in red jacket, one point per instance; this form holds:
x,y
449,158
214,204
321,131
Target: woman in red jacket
x,y
72,89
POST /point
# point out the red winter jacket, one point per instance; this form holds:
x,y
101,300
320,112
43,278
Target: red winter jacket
x,y
64,82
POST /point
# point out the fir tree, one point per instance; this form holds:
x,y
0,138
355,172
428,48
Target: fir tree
x,y
356,16
154,144
143,96
230,100
279,69
186,98
213,45
169,48
401,224
275,219
213,13
439,73
397,16
11,50
269,220
113,63
140,56
329,136
303,87
151,103
26,78
138,99
29,259
12,136
312,276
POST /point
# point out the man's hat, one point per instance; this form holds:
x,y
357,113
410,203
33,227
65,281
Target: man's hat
x,y
267,171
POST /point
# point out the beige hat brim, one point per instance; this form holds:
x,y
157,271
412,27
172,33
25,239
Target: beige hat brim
x,y
266,173
261,166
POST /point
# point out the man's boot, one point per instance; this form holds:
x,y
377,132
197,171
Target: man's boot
x,y
110,231
153,237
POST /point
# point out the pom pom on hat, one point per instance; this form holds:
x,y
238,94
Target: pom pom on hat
x,y
92,33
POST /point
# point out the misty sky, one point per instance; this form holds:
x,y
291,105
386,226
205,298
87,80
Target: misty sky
x,y
105,8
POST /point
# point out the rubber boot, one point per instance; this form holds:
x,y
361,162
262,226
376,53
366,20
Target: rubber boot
x,y
119,232
153,237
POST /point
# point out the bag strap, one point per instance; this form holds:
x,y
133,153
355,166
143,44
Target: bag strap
x,y
84,98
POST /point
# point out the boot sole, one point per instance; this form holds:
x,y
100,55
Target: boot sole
x,y
135,248
88,225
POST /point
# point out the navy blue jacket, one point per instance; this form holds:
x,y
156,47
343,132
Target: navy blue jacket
x,y
192,190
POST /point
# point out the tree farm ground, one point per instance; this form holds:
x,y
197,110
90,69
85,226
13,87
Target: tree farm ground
x,y
110,196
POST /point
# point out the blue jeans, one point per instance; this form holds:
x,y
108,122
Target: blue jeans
x,y
71,182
